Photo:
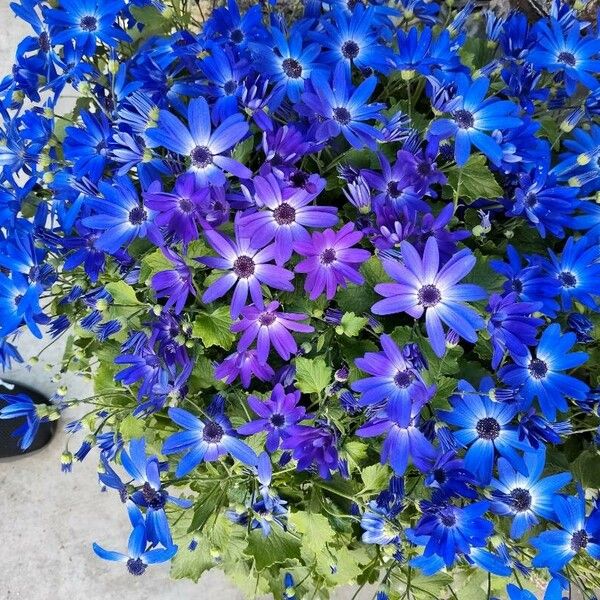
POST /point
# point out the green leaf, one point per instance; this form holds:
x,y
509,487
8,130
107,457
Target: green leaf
x,y
132,428
276,548
375,477
214,328
190,564
313,375
315,529
152,264
351,325
203,376
122,293
243,151
585,468
359,298
473,180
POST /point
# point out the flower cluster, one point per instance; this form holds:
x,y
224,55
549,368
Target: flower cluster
x,y
334,276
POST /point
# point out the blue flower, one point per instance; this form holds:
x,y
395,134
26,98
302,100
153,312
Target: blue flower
x,y
423,287
526,498
202,148
568,53
21,406
20,303
352,39
541,376
452,530
471,116
577,534
511,327
338,108
205,441
577,271
395,380
579,164
86,22
139,554
120,215
288,62
485,429
449,475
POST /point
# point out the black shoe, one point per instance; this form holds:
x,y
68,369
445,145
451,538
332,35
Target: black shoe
x,y
9,443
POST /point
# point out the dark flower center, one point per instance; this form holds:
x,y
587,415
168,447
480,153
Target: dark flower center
x,y
439,475
137,215
488,428
520,499
464,119
284,214
243,266
403,379
327,256
538,368
517,286
567,279
350,49
277,420
237,36
136,567
230,87
393,189
448,519
213,432
267,318
299,179
201,157
429,295
342,115
531,200
89,23
186,205
424,168
579,540
567,58
44,41
155,499
292,68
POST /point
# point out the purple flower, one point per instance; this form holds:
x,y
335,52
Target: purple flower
x,y
243,365
178,211
314,446
423,287
279,416
403,441
511,326
269,326
204,441
395,380
331,260
203,147
175,284
285,216
248,267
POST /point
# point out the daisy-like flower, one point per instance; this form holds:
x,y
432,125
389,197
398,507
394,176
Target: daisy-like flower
x,y
244,365
331,260
394,379
568,53
203,148
471,115
269,326
205,441
511,326
279,417
526,497
175,284
541,376
120,216
286,62
178,211
286,214
580,164
338,108
423,287
577,534
577,271
247,265
485,429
